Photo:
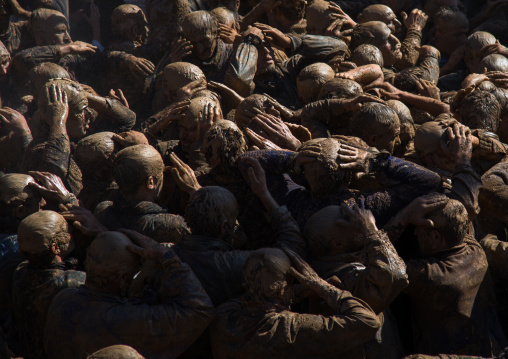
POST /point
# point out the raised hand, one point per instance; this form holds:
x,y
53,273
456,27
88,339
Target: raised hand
x,y
14,121
182,49
57,107
415,212
78,47
416,20
139,67
275,36
130,138
308,155
277,131
428,89
119,96
261,142
459,145
228,34
51,186
174,113
84,221
183,175
352,158
144,246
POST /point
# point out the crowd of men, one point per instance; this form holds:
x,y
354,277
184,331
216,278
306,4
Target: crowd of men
x,y
253,179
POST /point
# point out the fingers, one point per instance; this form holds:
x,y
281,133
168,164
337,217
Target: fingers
x,y
403,15
120,140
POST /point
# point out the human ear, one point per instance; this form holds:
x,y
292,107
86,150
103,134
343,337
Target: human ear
x,y
55,249
150,182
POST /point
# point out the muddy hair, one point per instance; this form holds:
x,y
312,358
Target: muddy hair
x,y
207,210
447,14
406,80
45,258
456,220
258,263
367,54
293,9
340,88
372,118
133,165
232,140
200,22
334,176
479,110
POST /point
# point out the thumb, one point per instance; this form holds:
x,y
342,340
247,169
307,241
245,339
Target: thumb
x,y
404,15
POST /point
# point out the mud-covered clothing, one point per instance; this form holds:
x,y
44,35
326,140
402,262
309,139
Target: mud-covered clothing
x,y
219,267
493,200
33,290
246,330
15,145
326,117
145,217
427,69
376,275
408,46
497,257
452,309
16,37
489,151
82,321
407,179
53,156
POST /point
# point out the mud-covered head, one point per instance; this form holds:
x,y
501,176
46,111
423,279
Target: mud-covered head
x,y
326,236
80,116
318,17
407,126
116,352
378,34
139,168
44,238
473,54
226,17
211,212
129,23
222,145
478,110
340,89
495,62
17,198
378,125
201,29
109,265
311,79
49,27
94,155
427,142
367,54
178,75
44,72
193,126
451,28
450,226
383,13
232,5
266,277
250,105
324,175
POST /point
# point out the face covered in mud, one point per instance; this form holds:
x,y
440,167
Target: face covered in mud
x,y
80,115
129,23
49,27
222,144
200,28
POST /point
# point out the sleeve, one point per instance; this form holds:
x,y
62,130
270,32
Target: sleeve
x,y
410,56
384,276
275,162
287,231
497,255
494,193
115,117
29,58
242,69
466,185
354,324
170,327
489,151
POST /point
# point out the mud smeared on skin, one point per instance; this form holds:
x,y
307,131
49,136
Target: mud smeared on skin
x,y
133,165
116,352
311,79
38,231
